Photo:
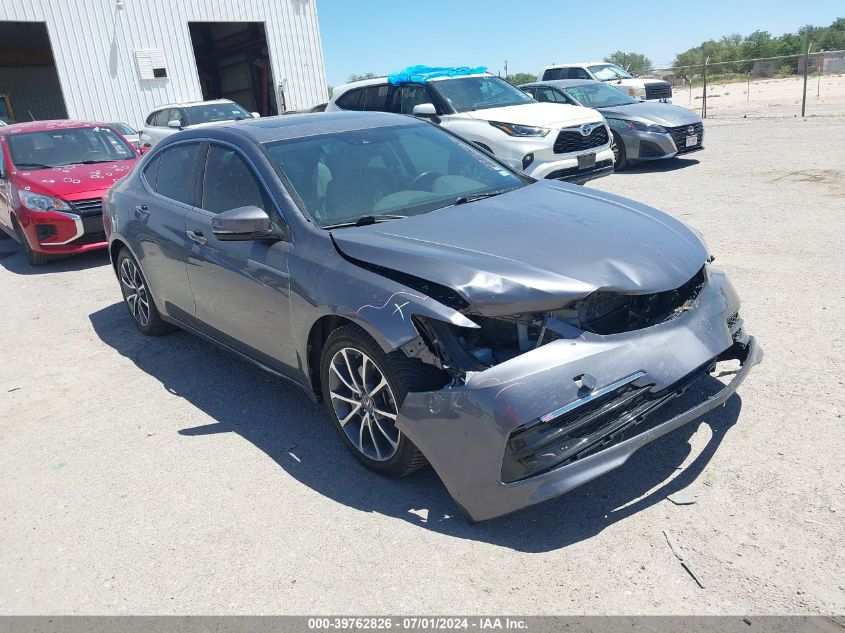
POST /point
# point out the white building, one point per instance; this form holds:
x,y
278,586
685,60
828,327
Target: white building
x,y
116,60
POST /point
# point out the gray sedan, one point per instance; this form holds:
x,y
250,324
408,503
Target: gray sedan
x,y
520,336
643,130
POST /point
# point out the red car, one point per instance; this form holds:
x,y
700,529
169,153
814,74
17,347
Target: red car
x,y
53,176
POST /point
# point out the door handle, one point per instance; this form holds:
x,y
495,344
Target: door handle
x,y
197,237
142,211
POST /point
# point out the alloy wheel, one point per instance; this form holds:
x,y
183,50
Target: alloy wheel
x,y
364,404
135,292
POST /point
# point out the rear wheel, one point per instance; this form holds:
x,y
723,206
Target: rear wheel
x,y
620,158
363,389
33,257
137,296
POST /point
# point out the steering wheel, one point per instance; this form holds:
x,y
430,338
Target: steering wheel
x,y
427,177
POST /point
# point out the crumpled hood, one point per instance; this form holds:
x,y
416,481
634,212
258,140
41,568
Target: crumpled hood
x,y
534,249
553,115
653,112
71,181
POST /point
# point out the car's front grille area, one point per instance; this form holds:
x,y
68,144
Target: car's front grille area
x,y
662,90
612,313
573,173
90,238
680,134
586,428
88,208
571,140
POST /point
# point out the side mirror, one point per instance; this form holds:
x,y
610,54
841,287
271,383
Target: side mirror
x,y
144,149
426,110
174,124
243,224
255,115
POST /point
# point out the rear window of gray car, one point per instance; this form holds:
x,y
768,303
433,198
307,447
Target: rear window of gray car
x,y
175,174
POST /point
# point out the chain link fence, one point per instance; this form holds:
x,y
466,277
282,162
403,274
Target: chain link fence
x,y
812,84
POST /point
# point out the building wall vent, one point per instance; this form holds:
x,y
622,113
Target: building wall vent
x,y
151,63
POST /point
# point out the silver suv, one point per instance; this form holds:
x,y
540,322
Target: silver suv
x,y
169,119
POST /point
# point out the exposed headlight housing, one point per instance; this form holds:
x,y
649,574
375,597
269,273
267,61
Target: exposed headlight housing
x,y
512,129
624,124
41,202
637,92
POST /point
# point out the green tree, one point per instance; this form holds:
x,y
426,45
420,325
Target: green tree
x,y
634,63
517,79
357,77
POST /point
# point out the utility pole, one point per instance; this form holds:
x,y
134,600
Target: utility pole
x,y
506,70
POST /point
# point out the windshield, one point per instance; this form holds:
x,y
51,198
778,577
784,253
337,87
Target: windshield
x,y
477,93
123,129
607,72
397,171
212,112
67,146
598,96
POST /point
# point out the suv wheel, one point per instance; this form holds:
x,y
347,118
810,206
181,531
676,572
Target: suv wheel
x,y
363,389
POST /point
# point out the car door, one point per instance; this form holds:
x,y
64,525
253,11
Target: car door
x,y
160,218
148,134
241,288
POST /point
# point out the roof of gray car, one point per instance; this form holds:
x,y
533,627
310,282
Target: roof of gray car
x,y
290,126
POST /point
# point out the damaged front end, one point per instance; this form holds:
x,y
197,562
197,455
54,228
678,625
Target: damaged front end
x,y
541,402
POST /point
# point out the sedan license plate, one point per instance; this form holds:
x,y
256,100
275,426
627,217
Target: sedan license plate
x,y
586,161
692,140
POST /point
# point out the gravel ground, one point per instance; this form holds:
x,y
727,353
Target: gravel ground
x,y
162,476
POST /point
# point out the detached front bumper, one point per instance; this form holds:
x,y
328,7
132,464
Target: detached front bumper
x,y
468,432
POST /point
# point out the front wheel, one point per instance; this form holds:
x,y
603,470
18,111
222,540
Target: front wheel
x,y
363,389
33,257
136,295
620,158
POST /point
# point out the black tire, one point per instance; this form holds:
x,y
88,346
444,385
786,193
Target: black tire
x,y
34,258
152,324
620,157
402,374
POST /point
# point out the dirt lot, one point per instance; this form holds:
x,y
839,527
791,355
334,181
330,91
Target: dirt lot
x,y
768,98
164,476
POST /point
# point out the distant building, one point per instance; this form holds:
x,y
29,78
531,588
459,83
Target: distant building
x,y
115,60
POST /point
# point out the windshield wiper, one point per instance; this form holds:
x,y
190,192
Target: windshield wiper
x,y
94,162
36,165
364,220
481,196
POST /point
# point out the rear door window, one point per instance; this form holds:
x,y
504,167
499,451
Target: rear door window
x,y
175,178
375,98
578,73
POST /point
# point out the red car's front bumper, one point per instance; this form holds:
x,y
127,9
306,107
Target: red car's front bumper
x,y
63,232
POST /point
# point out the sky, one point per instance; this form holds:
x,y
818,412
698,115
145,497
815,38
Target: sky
x,y
383,36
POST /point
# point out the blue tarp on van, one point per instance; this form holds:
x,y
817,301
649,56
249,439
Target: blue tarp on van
x,y
421,74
